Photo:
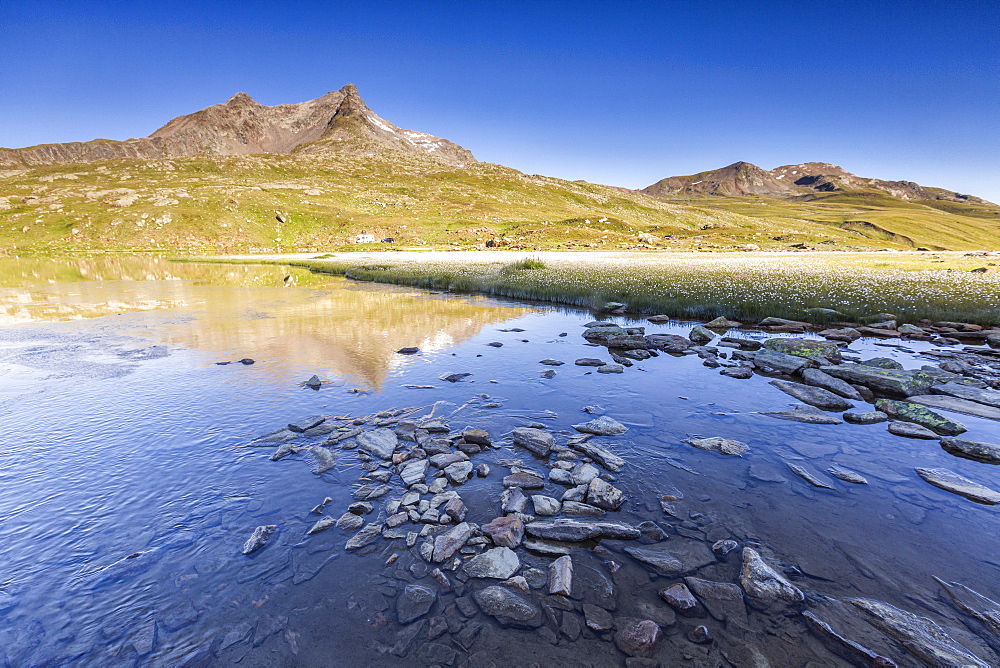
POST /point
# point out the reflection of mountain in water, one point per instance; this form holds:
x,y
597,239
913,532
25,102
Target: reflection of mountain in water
x,y
332,325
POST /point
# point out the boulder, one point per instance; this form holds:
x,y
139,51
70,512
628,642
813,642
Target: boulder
x,y
950,403
669,343
722,323
414,602
561,576
448,543
545,505
910,430
700,336
628,342
573,530
525,480
865,417
589,361
366,536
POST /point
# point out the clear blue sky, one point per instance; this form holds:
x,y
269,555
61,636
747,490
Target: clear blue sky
x,y
622,92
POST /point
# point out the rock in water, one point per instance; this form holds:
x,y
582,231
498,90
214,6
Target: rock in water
x,y
765,585
561,576
508,608
378,442
604,495
910,430
637,638
325,460
948,403
545,505
960,391
505,531
770,361
500,563
723,446
813,480
414,472
827,382
314,382
448,543
350,522
572,530
602,426
856,654
701,335
680,598
306,423
414,602
815,396
988,453
919,635
410,350
673,558
865,417
984,609
806,414
847,475
322,525
258,538
956,484
819,351
925,417
538,441
366,536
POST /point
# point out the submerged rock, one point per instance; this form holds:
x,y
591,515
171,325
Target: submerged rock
x,y
604,495
810,478
350,522
956,484
847,475
366,536
325,460
723,600
855,653
448,543
723,446
984,609
306,423
680,598
806,414
509,608
414,602
910,412
674,557
765,585
258,538
815,396
603,456
919,635
321,525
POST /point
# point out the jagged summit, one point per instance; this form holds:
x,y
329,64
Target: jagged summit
x,y
789,181
336,122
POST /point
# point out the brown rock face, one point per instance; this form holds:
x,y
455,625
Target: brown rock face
x,y
338,121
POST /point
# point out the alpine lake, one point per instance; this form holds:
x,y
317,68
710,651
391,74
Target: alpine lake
x,y
165,504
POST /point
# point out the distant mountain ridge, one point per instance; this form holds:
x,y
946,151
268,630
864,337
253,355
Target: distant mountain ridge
x,y
794,181
338,121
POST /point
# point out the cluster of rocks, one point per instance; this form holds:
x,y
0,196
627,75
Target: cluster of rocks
x,y
821,375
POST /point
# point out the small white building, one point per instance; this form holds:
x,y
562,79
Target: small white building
x,y
364,239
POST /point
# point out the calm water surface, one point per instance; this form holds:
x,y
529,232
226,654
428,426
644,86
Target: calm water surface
x,y
129,482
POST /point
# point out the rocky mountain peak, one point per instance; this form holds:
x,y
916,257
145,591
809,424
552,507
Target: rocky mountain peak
x,y
337,122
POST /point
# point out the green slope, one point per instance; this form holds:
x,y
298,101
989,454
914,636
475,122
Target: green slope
x,y
233,204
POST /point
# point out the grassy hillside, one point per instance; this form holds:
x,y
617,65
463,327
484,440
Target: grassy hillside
x,y
279,203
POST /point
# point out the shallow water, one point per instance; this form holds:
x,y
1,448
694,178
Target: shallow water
x,y
129,482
